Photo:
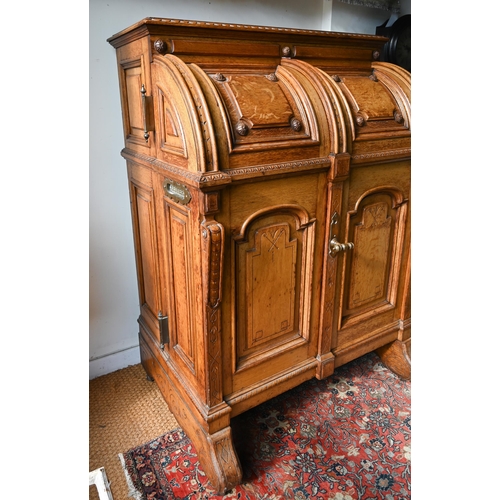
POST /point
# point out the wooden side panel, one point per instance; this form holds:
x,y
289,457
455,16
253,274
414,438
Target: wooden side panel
x,y
133,74
146,244
182,293
175,144
170,134
133,83
145,219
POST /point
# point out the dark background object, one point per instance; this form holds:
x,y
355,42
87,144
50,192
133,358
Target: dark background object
x,y
398,49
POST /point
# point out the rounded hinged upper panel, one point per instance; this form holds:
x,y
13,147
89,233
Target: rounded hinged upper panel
x,y
266,111
255,100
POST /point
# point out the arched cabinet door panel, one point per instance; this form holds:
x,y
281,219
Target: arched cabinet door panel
x,y
272,275
372,279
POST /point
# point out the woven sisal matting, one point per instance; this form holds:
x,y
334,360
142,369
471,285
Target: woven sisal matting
x,y
125,411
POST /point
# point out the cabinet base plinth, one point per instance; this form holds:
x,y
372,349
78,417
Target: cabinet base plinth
x,y
215,450
326,366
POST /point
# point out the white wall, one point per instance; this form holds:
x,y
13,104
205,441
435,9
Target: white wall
x,y
113,299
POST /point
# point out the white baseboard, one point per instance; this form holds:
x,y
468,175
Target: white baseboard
x,y
113,362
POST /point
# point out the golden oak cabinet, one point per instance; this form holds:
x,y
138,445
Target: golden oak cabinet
x,y
269,173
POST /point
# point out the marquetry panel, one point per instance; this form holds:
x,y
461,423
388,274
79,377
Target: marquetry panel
x,y
372,238
374,108
265,110
376,227
370,97
270,285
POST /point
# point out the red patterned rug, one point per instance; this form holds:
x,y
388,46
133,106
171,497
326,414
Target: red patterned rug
x,y
343,438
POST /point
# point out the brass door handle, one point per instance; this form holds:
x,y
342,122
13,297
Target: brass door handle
x,y
336,247
147,113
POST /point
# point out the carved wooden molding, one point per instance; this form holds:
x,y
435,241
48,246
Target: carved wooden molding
x,y
398,153
394,192
212,241
332,99
216,105
278,168
326,338
398,82
248,27
283,377
301,213
196,179
200,116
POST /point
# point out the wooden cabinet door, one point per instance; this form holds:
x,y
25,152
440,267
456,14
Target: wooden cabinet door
x,y
273,274
373,277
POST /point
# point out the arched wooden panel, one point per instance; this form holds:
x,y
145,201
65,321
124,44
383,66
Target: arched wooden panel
x,y
273,258
182,117
371,271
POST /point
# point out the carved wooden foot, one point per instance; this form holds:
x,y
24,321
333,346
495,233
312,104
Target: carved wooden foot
x,y
210,434
396,356
219,459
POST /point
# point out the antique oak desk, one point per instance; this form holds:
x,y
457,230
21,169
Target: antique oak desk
x,y
269,174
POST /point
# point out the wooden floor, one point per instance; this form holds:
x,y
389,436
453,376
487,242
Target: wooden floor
x,y
125,411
